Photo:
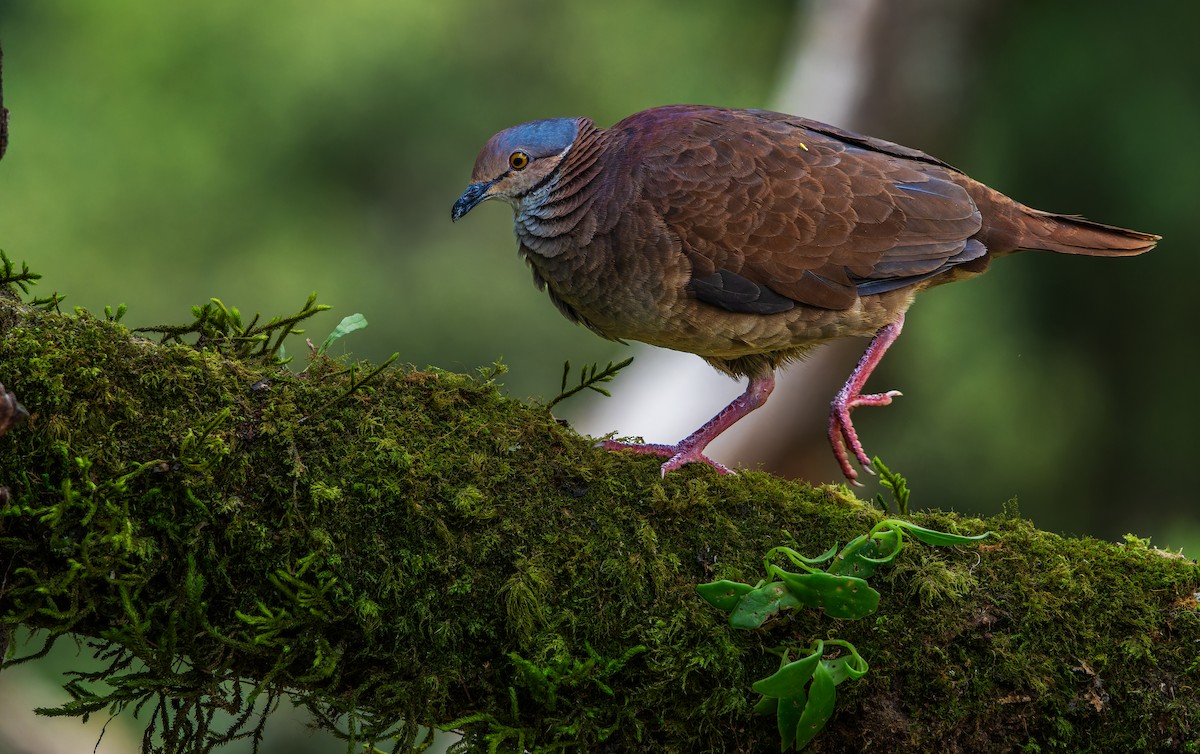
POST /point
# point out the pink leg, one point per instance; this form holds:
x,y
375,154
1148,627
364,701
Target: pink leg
x,y
690,449
841,430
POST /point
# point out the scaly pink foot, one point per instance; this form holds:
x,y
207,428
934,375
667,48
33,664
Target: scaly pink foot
x,y
691,448
676,455
841,430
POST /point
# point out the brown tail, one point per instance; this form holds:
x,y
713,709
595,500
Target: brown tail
x,y
1074,235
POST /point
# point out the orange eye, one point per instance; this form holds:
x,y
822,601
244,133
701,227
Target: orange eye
x,y
518,160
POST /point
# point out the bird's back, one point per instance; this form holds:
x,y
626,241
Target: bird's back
x,y
817,215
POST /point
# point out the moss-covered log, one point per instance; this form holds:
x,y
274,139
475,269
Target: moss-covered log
x,y
422,549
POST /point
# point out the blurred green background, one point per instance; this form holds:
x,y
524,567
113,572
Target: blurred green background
x,y
164,153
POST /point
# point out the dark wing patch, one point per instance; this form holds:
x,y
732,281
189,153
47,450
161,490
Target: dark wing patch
x,y
890,276
735,293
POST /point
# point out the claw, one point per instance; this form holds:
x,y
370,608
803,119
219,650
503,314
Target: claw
x,y
842,435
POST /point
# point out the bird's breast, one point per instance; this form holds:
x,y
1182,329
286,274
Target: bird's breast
x,y
632,284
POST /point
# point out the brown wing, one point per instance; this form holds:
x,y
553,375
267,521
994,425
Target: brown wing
x,y
771,209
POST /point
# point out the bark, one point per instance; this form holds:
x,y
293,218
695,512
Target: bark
x,y
414,548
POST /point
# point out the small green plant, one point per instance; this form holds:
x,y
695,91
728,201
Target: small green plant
x,y
114,315
348,325
801,693
12,281
897,484
546,684
10,278
48,303
590,377
220,328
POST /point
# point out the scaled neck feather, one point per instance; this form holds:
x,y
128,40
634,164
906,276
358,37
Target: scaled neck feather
x,y
555,216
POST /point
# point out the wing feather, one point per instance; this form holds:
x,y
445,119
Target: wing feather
x,y
795,208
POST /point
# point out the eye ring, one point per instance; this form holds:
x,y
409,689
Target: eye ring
x,y
518,160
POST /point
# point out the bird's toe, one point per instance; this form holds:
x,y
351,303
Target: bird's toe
x,y
687,456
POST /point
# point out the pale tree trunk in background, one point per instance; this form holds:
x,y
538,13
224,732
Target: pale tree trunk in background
x,y
896,69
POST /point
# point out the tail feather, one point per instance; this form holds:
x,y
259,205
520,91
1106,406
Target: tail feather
x,y
1074,235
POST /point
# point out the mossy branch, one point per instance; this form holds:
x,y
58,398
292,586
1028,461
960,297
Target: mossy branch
x,y
424,551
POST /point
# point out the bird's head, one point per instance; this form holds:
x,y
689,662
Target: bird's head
x,y
517,160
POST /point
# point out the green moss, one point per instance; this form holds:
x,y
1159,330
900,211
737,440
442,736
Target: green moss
x,y
421,549
931,579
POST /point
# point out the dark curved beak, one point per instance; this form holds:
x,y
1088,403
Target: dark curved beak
x,y
472,196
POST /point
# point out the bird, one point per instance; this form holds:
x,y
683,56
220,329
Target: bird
x,y
750,237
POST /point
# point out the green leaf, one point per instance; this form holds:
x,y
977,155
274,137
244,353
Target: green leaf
x,y
759,604
790,711
792,677
934,537
845,597
799,559
724,595
850,666
768,705
866,553
821,697
345,327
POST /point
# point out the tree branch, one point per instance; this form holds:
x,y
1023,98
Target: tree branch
x,y
422,549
